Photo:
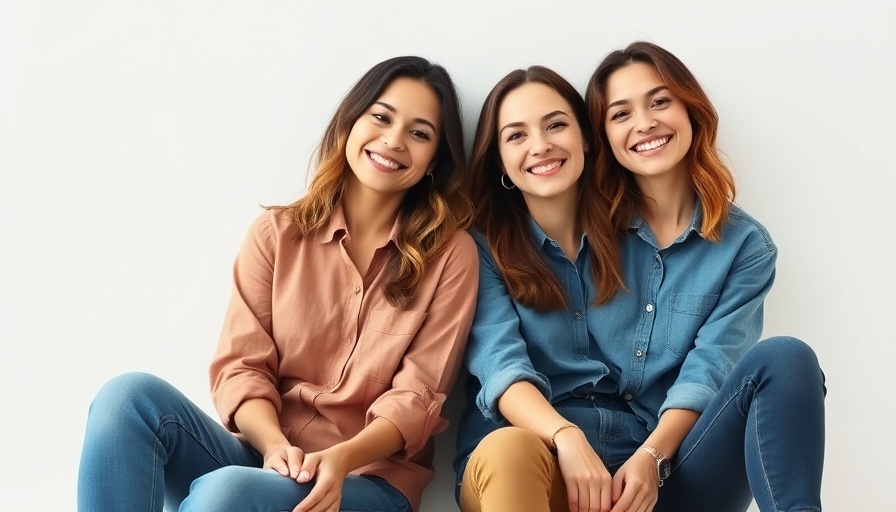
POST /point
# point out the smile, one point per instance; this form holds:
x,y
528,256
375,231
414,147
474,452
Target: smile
x,y
653,144
545,168
384,161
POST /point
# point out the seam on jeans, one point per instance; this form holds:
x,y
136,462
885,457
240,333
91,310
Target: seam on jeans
x,y
163,423
768,485
155,466
731,398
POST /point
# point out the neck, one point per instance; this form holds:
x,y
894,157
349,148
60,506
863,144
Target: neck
x,y
669,206
368,212
558,218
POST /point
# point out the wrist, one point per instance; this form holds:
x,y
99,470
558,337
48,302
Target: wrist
x,y
553,442
663,466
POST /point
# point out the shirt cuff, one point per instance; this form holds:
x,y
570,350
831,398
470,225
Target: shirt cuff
x,y
688,396
230,395
497,384
416,415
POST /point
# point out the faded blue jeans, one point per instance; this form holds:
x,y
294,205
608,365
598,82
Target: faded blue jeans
x,y
761,437
147,445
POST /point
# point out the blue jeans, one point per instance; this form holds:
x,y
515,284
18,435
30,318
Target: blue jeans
x,y
761,437
147,445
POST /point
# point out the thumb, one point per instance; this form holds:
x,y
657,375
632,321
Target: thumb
x,y
309,467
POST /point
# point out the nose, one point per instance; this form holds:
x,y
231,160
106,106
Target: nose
x,y
645,121
392,138
540,144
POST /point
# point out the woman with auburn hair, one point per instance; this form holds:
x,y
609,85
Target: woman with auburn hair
x,y
344,332
725,419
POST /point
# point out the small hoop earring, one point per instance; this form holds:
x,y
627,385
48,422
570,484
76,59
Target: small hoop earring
x,y
511,187
432,178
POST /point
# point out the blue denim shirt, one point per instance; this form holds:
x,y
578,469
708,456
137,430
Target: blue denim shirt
x,y
689,312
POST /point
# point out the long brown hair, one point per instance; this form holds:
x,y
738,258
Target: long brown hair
x,y
711,178
502,216
432,210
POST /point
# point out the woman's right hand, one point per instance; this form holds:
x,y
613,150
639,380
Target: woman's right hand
x,y
285,459
588,483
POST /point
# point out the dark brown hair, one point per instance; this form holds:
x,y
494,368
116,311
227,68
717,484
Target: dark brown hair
x,y
502,216
432,210
711,178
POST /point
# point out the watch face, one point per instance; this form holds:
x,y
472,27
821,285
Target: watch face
x,y
664,468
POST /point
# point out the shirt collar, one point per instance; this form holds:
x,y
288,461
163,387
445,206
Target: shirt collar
x,y
638,224
337,227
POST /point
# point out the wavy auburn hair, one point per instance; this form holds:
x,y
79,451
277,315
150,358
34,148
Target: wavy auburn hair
x,y
502,216
432,211
710,176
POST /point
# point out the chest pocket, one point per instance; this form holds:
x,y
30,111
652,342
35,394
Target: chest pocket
x,y
687,313
384,341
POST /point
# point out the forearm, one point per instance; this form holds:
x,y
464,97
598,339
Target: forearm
x,y
523,405
378,440
257,420
673,427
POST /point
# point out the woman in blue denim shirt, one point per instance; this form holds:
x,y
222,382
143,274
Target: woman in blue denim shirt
x,y
613,356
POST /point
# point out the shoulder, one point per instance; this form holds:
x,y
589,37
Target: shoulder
x,y
751,233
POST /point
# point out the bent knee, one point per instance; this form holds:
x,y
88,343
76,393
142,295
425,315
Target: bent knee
x,y
508,448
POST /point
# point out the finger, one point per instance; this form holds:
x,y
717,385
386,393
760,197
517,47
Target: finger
x,y
294,459
277,463
605,494
309,468
618,485
312,502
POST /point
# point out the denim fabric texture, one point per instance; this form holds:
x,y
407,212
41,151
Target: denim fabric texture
x,y
147,446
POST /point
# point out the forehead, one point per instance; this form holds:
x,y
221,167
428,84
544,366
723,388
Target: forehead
x,y
631,81
413,99
530,100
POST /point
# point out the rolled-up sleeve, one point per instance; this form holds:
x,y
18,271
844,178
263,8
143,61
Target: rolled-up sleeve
x,y
246,360
734,326
432,360
496,353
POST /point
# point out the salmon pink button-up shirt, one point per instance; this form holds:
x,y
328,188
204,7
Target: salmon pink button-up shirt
x,y
307,332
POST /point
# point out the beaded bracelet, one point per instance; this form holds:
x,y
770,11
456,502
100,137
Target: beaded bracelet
x,y
554,436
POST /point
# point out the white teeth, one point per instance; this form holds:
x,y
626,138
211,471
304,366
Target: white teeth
x,y
380,159
541,169
647,146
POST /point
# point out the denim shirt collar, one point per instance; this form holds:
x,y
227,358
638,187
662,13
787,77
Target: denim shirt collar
x,y
543,240
639,225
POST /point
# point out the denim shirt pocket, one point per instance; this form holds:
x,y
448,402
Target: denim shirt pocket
x,y
387,335
687,314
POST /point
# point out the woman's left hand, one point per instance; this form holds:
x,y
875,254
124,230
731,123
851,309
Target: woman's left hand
x,y
635,485
328,469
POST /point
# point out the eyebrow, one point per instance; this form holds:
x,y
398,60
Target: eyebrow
x,y
649,94
516,124
390,108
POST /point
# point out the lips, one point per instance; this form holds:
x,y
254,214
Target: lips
x,y
384,161
652,144
545,167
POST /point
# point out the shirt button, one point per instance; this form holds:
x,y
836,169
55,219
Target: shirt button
x,y
357,290
578,315
639,352
649,308
628,397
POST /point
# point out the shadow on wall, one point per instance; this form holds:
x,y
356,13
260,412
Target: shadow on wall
x,y
439,495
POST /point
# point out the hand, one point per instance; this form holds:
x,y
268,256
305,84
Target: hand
x,y
636,485
328,468
587,479
285,459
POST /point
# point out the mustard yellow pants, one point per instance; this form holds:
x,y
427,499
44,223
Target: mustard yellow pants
x,y
512,469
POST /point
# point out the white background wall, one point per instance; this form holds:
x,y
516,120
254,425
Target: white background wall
x,y
138,138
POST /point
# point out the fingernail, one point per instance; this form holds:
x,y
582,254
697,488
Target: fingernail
x,y
304,476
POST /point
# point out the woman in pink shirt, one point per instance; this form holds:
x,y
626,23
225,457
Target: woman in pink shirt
x,y
344,332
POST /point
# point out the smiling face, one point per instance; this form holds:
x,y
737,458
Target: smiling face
x,y
391,146
540,142
648,128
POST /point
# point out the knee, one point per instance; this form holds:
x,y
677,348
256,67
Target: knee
x,y
509,450
123,393
791,357
243,488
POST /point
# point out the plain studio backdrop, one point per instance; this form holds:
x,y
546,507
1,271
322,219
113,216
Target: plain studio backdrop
x,y
137,141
